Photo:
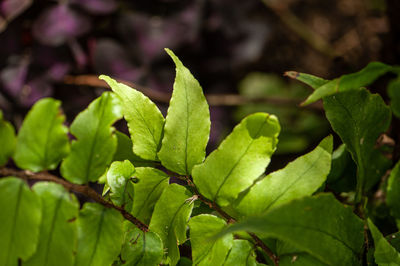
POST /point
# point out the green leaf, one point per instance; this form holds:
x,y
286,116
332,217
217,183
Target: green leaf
x,y
187,125
352,81
7,140
96,143
20,218
205,249
385,254
147,191
299,259
299,178
141,249
319,225
312,81
125,152
100,235
145,121
358,117
42,139
394,94
119,180
242,253
240,159
393,191
58,232
169,220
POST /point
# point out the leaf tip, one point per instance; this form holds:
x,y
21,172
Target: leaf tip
x,y
291,74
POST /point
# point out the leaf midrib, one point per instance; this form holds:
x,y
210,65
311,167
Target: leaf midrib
x,y
238,161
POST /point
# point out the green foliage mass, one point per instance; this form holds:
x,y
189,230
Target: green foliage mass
x,y
165,202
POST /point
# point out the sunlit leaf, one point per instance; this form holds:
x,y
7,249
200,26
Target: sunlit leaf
x,y
240,159
20,218
187,125
58,232
205,249
96,143
170,218
141,249
42,139
100,235
299,178
145,121
7,140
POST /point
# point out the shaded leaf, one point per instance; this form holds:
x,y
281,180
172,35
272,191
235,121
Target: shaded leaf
x,y
96,143
141,248
124,151
119,181
358,117
299,178
147,191
7,140
42,139
240,159
187,125
393,191
58,234
385,254
242,253
100,235
205,249
394,94
145,121
350,81
169,220
20,218
308,225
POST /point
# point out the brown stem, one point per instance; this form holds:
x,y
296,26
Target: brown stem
x,y
230,219
212,99
82,189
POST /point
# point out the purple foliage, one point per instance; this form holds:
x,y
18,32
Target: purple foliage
x,y
58,24
97,6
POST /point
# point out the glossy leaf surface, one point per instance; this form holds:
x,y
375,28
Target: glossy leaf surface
x,y
58,232
7,140
299,178
205,249
187,125
42,139
96,143
100,235
119,180
147,191
307,224
240,159
145,121
170,218
141,249
358,117
20,218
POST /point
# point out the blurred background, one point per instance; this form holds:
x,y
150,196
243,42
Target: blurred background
x,y
238,50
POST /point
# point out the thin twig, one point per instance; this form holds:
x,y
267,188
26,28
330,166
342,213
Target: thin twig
x,y
230,219
302,30
213,99
82,189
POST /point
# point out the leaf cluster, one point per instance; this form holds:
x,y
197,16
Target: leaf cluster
x,y
162,194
